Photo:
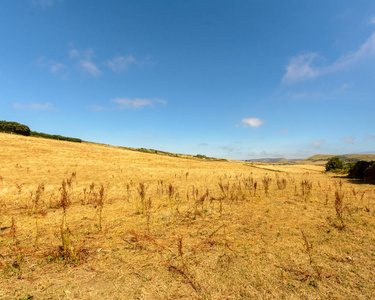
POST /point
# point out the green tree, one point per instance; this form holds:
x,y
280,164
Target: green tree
x,y
334,163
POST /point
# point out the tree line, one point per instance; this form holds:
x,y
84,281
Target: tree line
x,y
17,128
359,170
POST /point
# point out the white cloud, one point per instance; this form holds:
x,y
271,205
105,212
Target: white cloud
x,y
318,143
137,103
349,139
120,63
253,122
303,66
34,106
370,137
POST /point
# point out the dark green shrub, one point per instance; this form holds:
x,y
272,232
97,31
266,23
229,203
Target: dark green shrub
x,y
201,156
14,127
359,168
370,171
334,163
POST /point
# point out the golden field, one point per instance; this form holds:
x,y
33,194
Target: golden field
x,y
89,221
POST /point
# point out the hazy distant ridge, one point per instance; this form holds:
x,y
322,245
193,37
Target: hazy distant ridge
x,y
345,158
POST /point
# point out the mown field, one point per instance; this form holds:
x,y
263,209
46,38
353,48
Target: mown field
x,y
88,221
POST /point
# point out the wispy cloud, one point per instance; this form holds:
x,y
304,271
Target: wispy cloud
x,y
44,3
286,130
300,67
342,89
89,67
137,103
372,21
35,106
120,63
370,137
349,140
95,107
304,66
52,66
252,122
318,143
85,61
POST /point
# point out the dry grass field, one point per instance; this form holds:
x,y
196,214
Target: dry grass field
x,y
88,221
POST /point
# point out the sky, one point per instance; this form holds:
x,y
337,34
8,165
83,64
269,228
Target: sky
x,y
230,79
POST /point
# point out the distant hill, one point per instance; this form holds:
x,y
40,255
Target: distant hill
x,y
345,158
280,160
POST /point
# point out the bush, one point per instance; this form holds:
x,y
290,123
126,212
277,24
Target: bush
x,y
347,167
14,127
360,168
334,163
370,171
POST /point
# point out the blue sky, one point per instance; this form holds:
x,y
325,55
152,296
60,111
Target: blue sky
x,y
232,79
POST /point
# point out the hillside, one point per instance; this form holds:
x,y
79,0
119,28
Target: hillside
x,y
345,158
90,221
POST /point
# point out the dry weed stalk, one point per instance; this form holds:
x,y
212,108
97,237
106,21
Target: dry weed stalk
x,y
19,188
17,248
66,249
202,199
100,204
339,207
266,184
64,196
36,199
281,183
249,185
306,187
148,206
142,188
224,189
255,188
230,192
171,199
360,200
161,188
129,187
309,247
183,270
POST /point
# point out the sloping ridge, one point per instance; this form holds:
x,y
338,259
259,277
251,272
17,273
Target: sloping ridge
x,y
345,158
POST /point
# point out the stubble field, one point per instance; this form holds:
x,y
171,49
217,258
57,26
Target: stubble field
x,y
88,221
